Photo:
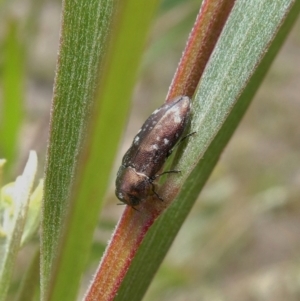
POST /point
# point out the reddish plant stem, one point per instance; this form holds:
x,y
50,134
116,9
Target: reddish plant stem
x,y
126,239
202,40
134,225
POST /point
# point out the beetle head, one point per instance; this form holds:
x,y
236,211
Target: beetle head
x,y
132,187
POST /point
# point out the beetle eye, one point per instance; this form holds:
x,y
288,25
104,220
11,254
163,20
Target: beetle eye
x,y
120,196
134,200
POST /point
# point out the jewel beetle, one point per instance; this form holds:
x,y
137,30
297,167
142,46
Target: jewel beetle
x,y
149,150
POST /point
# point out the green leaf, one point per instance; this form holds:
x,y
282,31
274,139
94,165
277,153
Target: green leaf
x,y
32,222
232,76
29,289
85,26
77,175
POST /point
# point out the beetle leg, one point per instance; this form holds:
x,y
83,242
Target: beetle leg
x,y
166,172
135,209
130,206
186,136
157,195
182,139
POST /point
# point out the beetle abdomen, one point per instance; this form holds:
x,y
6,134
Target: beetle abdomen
x,y
158,135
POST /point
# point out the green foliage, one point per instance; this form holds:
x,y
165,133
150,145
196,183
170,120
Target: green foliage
x,y
15,200
73,105
99,57
12,79
218,108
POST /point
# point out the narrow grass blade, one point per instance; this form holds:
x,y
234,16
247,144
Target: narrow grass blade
x,y
62,265
30,283
235,71
85,27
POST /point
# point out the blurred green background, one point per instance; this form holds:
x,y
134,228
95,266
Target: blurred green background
x,y
242,238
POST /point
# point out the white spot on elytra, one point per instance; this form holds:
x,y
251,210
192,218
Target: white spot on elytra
x,y
136,140
154,146
120,195
177,118
166,141
157,110
176,115
158,138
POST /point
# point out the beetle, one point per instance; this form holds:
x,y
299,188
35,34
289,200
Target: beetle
x,y
150,148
